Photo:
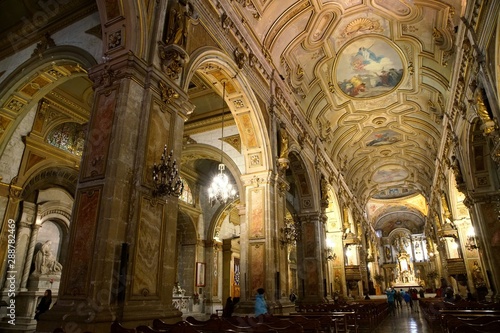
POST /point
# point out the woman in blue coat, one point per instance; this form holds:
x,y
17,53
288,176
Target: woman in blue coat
x,y
260,303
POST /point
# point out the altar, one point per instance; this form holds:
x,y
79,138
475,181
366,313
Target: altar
x,y
405,273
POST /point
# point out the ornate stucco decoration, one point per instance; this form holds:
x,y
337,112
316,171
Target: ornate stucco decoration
x,y
250,6
239,57
283,162
489,125
46,43
107,77
167,93
114,39
172,59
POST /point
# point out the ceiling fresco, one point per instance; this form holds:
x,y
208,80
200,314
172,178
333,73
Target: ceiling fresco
x,y
371,77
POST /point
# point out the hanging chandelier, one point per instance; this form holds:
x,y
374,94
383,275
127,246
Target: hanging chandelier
x,y
221,190
166,177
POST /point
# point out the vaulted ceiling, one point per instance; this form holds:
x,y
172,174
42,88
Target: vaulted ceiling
x,y
372,78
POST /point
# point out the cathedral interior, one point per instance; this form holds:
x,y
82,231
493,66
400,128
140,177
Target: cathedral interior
x,y
158,157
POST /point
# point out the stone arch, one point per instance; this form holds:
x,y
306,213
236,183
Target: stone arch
x,y
219,217
33,79
63,177
301,182
186,251
124,18
197,151
58,219
216,67
478,150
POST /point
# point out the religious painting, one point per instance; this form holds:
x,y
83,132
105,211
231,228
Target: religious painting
x,y
200,274
388,253
382,138
368,67
389,173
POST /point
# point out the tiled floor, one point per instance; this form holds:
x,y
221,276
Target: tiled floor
x,y
404,321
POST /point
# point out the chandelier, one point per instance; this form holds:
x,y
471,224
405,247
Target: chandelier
x,y
166,177
221,190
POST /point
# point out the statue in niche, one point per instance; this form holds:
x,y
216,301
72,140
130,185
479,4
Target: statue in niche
x,y
284,143
388,254
45,261
477,275
178,22
177,290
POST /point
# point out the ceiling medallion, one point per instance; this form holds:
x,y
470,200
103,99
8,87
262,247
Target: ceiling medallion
x,y
370,66
379,120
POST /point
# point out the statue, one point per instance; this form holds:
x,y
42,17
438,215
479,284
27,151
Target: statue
x,y
284,143
45,261
477,275
177,290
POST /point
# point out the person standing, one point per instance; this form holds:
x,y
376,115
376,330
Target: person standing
x,y
260,303
408,300
44,304
391,293
227,312
399,299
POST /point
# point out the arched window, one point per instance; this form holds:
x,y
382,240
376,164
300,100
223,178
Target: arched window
x,y
69,137
187,195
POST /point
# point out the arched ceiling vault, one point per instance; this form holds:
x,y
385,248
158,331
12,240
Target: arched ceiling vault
x,y
371,77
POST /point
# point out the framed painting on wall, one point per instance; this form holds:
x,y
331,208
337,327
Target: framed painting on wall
x,y
200,274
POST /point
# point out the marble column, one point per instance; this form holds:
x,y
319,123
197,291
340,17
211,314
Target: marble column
x,y
22,240
309,258
11,196
485,211
121,262
30,253
259,240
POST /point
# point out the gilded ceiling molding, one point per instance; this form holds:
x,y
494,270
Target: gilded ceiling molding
x,y
285,18
294,76
399,8
362,25
249,5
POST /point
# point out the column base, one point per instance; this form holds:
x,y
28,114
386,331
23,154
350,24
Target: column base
x,y
87,315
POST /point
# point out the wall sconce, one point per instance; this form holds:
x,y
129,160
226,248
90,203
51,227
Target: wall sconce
x,y
290,233
471,243
166,177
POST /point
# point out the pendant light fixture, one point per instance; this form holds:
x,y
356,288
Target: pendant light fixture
x,y
221,190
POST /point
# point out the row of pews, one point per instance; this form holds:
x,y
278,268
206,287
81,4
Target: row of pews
x,y
461,317
318,318
363,315
267,323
